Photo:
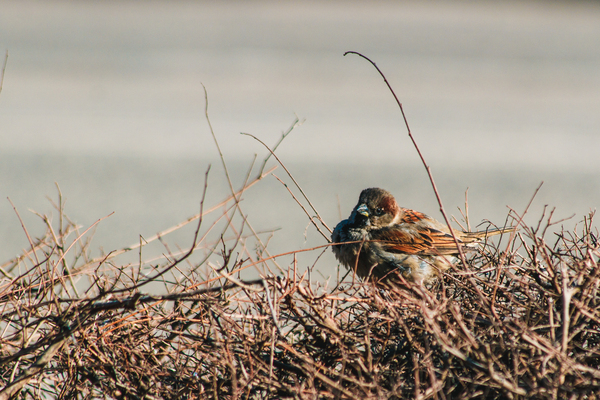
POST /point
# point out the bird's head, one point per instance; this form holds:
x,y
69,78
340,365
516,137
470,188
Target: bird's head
x,y
376,208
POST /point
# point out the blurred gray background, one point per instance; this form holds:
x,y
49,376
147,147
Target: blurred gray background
x,y
106,99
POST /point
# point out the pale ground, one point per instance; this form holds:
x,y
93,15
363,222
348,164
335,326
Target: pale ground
x,y
106,99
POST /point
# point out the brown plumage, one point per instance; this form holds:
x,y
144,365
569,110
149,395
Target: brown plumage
x,y
388,239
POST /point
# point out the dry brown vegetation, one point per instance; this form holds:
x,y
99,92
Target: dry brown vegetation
x,y
519,319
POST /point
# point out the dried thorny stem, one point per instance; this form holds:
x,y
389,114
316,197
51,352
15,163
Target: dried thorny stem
x,y
318,216
296,123
3,70
236,196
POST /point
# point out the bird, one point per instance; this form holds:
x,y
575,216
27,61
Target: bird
x,y
381,240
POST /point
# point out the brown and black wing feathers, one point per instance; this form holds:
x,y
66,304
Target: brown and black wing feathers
x,y
415,240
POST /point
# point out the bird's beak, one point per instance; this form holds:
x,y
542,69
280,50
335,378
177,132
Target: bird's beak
x,y
363,210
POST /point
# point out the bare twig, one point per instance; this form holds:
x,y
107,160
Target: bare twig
x,y
296,184
296,123
3,70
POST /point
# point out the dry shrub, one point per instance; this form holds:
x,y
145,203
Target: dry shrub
x,y
520,320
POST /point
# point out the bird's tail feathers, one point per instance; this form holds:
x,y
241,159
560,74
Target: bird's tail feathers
x,y
488,232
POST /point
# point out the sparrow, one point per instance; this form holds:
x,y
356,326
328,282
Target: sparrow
x,y
381,239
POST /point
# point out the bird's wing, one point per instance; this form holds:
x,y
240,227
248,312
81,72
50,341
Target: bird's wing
x,y
412,216
414,239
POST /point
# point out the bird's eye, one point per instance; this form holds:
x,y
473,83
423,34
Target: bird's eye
x,y
379,211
